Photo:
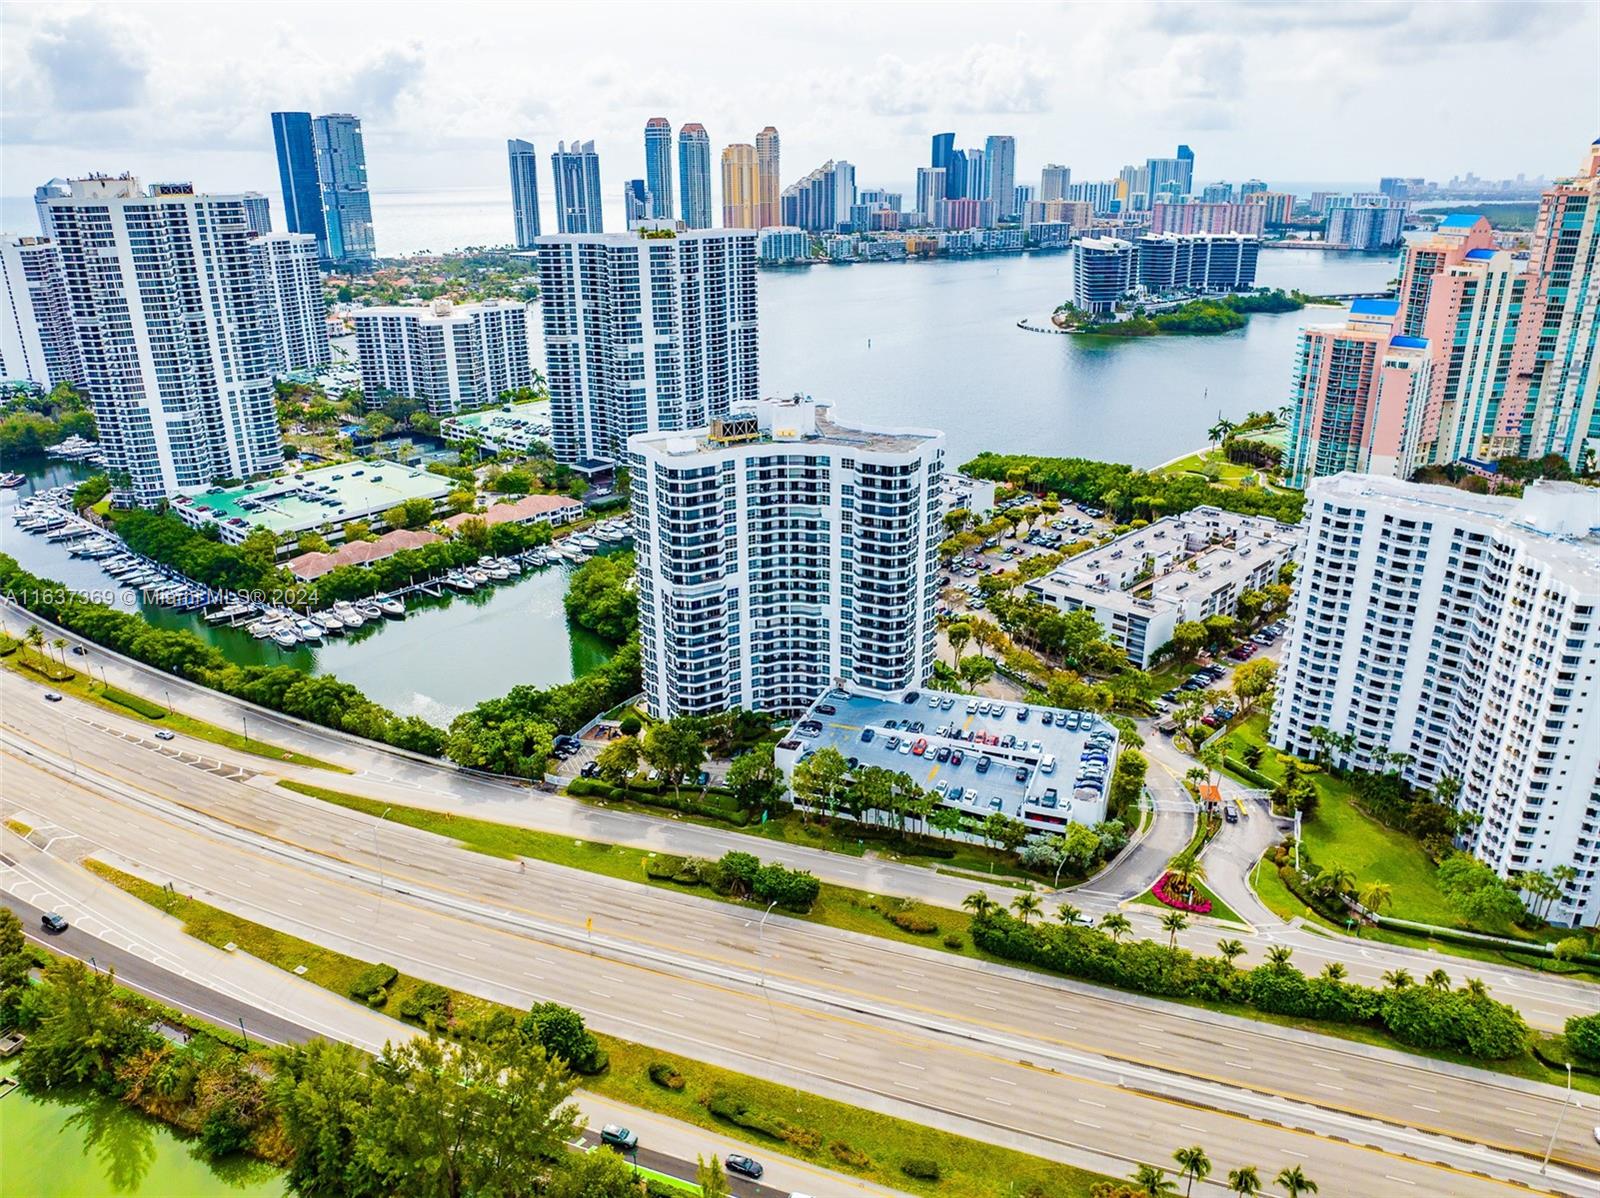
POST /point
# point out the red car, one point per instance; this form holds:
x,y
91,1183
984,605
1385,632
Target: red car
x,y
921,747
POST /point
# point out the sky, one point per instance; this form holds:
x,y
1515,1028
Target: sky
x,y
1277,90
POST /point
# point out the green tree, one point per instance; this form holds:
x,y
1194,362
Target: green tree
x,y
980,904
322,1091
818,780
452,1120
959,634
1293,1182
1188,638
592,1175
1193,1165
975,670
15,964
675,747
600,597
619,760
516,745
1172,923
1230,950
1026,905
560,1033
1583,1037
712,1180
1150,1181
755,779
1116,925
1244,1181
85,1029
1127,783
1252,680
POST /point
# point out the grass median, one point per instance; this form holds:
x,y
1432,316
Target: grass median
x,y
823,1131
119,702
839,907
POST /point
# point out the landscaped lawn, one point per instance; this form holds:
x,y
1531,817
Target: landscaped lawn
x,y
1219,909
1339,834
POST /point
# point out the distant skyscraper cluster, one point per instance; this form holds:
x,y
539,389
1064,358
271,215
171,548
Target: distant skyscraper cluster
x,y
322,167
1481,355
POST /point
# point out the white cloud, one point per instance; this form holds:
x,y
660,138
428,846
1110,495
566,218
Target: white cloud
x,y
989,79
90,63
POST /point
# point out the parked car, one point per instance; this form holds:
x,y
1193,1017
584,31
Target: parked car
x,y
983,765
589,770
892,743
827,709
1022,715
920,747
1022,773
1231,814
744,1166
1047,718
955,757
866,736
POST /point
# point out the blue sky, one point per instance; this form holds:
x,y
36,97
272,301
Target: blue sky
x,y
1286,91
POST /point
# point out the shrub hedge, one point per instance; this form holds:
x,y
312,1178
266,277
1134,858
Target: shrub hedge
x,y
1440,1020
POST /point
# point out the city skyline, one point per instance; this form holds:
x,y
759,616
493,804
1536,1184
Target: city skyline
x,y
81,85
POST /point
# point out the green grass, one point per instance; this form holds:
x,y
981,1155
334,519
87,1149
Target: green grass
x,y
848,1139
836,906
95,692
134,703
1219,909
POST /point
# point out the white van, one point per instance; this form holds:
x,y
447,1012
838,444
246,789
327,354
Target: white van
x,y
1047,764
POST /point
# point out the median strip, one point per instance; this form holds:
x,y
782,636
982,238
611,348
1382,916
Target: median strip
x,y
823,1131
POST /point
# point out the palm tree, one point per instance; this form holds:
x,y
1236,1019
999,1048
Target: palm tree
x,y
1375,896
1172,923
1230,949
1437,980
980,904
1244,1181
1278,956
60,645
1068,914
1193,1164
1026,905
1152,1182
958,633
1293,1182
1334,971
1397,979
1115,924
1474,988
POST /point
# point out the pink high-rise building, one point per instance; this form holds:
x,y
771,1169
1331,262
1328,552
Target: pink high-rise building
x,y
1279,205
1249,219
1455,237
1359,390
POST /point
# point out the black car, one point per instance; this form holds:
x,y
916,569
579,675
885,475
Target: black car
x,y
943,754
1231,814
827,709
742,1165
590,769
1022,773
52,923
80,651
866,735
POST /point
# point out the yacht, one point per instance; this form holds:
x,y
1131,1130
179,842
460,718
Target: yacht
x,y
512,565
457,580
309,630
496,571
348,614
329,622
369,610
285,637
586,542
395,609
478,577
265,627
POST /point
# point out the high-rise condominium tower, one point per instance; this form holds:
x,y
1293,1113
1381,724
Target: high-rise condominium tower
x,y
740,187
577,173
1000,153
524,191
258,212
953,163
297,174
768,186
37,341
645,333
658,166
346,206
448,356
1458,630
286,270
694,175
1559,384
779,550
1054,182
174,330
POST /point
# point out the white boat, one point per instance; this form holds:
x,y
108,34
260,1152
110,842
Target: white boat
x,y
497,572
348,614
262,629
585,542
286,637
457,580
395,609
330,623
478,577
512,565
309,631
369,610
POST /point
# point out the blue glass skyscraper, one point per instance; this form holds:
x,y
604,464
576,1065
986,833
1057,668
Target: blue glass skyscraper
x,y
658,166
297,172
694,175
524,191
342,173
953,163
577,173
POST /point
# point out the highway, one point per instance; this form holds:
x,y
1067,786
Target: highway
x,y
891,1027
391,776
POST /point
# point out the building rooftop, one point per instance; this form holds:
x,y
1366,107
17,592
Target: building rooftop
x,y
798,420
326,495
1460,220
529,507
1375,307
354,553
995,789
1407,342
1480,255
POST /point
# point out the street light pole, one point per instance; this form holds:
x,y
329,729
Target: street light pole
x,y
761,940
1551,1147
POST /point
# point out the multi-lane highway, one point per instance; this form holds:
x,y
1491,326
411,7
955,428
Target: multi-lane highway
x,y
1061,1070
402,778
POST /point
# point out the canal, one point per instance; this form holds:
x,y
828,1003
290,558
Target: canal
x,y
82,1146
446,655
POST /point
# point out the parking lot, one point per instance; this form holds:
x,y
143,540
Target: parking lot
x,y
1005,551
1214,675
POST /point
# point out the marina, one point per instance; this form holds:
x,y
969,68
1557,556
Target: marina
x,y
432,649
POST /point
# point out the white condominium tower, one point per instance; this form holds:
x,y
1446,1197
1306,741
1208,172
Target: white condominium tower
x,y
174,333
1462,631
650,330
286,265
36,338
449,356
781,551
